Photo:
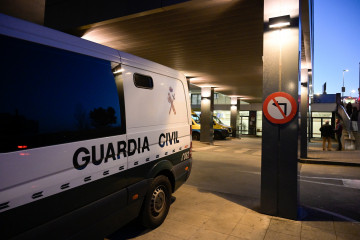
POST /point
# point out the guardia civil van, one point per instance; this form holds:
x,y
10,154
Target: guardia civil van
x,y
90,137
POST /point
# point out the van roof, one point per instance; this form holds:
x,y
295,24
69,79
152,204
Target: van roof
x,y
25,30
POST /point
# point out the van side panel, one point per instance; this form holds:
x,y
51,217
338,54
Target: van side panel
x,y
162,120
163,105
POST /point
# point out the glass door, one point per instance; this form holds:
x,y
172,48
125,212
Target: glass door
x,y
244,125
317,123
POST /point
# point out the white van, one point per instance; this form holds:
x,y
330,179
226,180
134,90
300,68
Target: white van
x,y
90,137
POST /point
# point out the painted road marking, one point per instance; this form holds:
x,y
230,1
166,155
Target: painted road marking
x,y
348,183
351,183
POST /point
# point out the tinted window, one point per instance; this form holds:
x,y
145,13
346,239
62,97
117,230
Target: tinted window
x,y
51,96
142,81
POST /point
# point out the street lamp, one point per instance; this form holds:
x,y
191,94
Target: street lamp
x,y
343,87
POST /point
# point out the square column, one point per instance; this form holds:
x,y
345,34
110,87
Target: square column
x,y
206,118
279,160
234,115
304,109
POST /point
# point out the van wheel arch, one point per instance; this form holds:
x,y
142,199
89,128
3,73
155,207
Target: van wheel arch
x,y
170,176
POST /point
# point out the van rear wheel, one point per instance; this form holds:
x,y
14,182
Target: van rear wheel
x,y
157,202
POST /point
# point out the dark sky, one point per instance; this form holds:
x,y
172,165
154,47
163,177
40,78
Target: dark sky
x,y
337,45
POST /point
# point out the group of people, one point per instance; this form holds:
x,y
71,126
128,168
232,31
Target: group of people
x,y
327,133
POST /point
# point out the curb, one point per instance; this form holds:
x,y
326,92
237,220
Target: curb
x,y
333,214
311,161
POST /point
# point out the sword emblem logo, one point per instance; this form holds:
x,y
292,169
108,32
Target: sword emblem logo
x,y
171,99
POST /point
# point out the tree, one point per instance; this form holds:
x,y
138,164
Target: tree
x,y
101,118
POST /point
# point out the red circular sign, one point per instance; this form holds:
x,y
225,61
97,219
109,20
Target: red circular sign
x,y
279,107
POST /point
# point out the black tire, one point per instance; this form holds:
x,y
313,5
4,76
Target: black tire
x,y
217,135
157,202
196,136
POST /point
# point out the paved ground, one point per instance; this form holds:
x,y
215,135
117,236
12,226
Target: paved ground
x,y
316,154
221,199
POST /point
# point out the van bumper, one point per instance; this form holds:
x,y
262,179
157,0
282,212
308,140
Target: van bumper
x,y
182,172
223,132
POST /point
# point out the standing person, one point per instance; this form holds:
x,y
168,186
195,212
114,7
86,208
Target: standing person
x,y
326,133
354,119
338,131
349,109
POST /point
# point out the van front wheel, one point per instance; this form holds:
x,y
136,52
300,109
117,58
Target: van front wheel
x,y
217,135
157,202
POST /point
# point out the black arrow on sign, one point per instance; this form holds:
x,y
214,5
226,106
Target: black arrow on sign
x,y
283,104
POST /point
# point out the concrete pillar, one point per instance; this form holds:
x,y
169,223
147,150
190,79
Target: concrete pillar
x,y
234,110
304,109
279,163
311,92
206,119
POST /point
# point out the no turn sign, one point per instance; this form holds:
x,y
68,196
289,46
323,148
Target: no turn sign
x,y
279,107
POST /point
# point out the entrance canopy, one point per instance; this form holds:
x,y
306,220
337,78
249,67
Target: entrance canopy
x,y
217,43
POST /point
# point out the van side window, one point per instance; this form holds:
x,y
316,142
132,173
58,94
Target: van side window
x,y
142,81
57,97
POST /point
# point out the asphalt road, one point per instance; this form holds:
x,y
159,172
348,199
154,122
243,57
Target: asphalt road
x,y
332,188
233,166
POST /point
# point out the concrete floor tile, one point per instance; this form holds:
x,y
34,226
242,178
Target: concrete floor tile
x,y
252,218
329,225
208,209
235,238
176,229
348,227
204,234
153,235
229,214
187,217
194,195
310,233
223,222
346,236
249,232
196,206
272,235
285,226
234,207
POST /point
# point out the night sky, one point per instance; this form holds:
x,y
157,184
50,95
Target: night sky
x,y
337,45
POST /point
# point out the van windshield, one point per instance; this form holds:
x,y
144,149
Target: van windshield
x,y
218,121
196,118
